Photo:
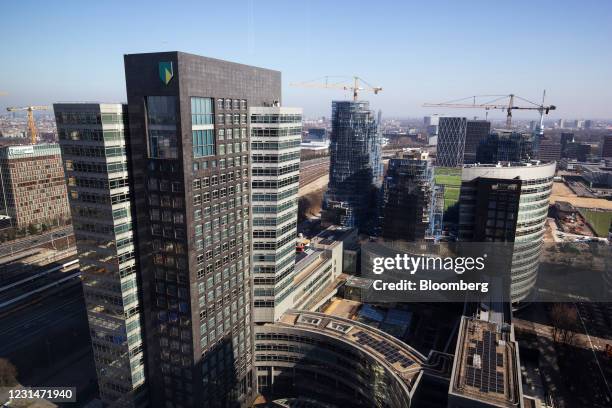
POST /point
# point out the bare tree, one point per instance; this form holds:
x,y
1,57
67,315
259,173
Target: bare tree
x,y
564,319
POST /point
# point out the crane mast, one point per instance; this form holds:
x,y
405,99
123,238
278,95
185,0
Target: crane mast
x,y
31,123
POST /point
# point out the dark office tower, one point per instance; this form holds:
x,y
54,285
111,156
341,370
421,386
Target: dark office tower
x,y
508,202
550,151
506,146
566,138
451,142
475,132
355,166
577,151
408,190
606,146
193,223
93,138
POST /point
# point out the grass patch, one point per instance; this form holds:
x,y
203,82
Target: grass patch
x,y
450,178
599,220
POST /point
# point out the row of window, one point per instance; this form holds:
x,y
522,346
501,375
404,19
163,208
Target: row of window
x,y
215,180
234,104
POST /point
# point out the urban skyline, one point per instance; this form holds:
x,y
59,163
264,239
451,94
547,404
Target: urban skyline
x,y
234,224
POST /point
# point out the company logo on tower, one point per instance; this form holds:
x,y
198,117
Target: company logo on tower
x,y
166,72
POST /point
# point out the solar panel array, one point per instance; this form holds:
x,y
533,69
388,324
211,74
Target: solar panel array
x,y
486,377
391,352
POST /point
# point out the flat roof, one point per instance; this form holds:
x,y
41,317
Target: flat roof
x,y
401,359
486,364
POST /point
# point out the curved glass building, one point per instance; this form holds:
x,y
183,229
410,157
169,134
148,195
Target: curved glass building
x,y
508,202
335,361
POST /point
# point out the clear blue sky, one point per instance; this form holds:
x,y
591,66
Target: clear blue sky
x,y
419,51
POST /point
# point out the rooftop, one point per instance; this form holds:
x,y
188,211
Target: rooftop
x,y
486,364
401,359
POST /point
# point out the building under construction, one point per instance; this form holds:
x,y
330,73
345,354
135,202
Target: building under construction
x,y
408,197
355,173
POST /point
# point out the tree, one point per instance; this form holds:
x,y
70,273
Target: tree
x,y
32,229
564,319
8,373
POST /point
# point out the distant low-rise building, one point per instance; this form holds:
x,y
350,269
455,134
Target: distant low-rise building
x,y
33,191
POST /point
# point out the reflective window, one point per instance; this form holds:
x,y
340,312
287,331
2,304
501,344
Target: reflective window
x,y
161,119
201,111
203,143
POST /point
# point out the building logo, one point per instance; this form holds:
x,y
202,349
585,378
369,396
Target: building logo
x,y
166,72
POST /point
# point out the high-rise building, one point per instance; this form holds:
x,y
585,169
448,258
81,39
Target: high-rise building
x,y
577,151
508,202
506,146
193,221
606,146
275,160
451,142
408,190
476,131
566,138
355,166
93,139
550,150
33,191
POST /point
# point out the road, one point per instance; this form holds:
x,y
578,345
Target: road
x,y
22,244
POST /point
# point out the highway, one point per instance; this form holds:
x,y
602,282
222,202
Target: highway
x,y
12,247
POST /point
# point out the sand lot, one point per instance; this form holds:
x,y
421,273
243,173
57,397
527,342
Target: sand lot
x,y
560,192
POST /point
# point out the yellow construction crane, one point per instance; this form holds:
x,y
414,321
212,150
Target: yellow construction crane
x,y
497,103
31,124
324,82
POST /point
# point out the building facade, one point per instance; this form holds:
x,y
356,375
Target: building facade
x,y
93,139
606,147
355,166
337,361
408,197
32,185
506,146
193,221
508,203
275,166
550,151
476,131
451,141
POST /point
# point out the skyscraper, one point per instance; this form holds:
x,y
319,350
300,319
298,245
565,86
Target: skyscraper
x,y
355,166
193,221
451,142
475,132
275,160
93,139
566,138
408,190
508,203
606,146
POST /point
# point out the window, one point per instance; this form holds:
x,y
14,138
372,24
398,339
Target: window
x,y
243,104
235,103
161,118
221,134
203,143
229,134
228,104
201,111
219,103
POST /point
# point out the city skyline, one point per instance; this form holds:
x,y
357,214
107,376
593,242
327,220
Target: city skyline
x,y
417,53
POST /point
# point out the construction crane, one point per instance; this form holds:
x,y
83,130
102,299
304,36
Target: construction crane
x,y
31,124
497,103
324,82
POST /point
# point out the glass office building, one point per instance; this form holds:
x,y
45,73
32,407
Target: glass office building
x,y
355,166
94,142
275,171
